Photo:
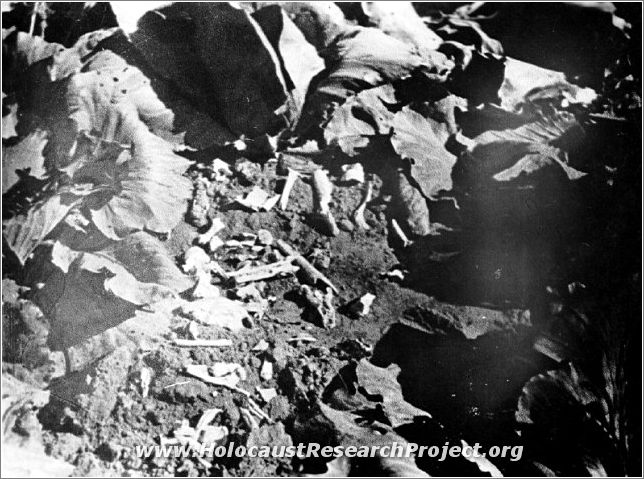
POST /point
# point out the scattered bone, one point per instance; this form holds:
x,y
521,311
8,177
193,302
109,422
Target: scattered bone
x,y
254,200
320,305
302,338
248,418
221,312
225,369
216,226
266,393
246,236
213,435
257,248
262,345
207,417
257,273
195,259
358,214
322,217
180,383
258,200
146,379
361,306
353,173
302,166
247,171
221,170
288,186
393,274
310,275
215,243
204,288
249,293
401,234
202,343
201,371
257,307
270,203
264,237
192,330
236,244
266,371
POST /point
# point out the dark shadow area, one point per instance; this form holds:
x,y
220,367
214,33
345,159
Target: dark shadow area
x,y
470,387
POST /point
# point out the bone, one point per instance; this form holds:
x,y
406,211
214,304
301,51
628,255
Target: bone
x,y
202,343
309,273
320,305
401,234
288,186
258,273
322,217
216,226
358,214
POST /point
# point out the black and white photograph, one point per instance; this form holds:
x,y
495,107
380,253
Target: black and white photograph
x,y
321,239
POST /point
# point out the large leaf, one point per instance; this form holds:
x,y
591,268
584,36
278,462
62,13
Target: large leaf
x,y
24,157
137,174
400,20
24,233
225,47
299,60
422,141
559,410
333,427
150,191
364,58
365,386
538,146
360,117
525,85
85,293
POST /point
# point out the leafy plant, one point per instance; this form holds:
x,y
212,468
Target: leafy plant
x,y
105,179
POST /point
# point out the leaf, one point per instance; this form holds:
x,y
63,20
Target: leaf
x,y
360,117
299,60
372,392
149,261
558,410
534,162
151,192
538,146
334,427
85,293
360,59
400,20
25,232
26,157
381,384
422,141
526,84
225,46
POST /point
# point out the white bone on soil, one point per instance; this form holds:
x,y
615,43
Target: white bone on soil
x,y
216,226
322,189
279,268
358,214
288,186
